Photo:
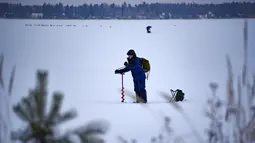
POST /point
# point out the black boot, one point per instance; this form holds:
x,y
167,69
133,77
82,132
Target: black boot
x,y
137,98
143,96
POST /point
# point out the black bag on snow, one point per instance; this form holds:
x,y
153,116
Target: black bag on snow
x,y
179,95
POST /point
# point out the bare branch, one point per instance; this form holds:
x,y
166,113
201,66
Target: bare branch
x,y
11,80
1,70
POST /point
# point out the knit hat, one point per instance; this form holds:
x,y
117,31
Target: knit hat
x,y
131,52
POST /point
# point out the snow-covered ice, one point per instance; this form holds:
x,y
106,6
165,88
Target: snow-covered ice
x,y
81,59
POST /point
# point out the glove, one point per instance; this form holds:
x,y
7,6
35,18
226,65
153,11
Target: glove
x,y
117,72
126,63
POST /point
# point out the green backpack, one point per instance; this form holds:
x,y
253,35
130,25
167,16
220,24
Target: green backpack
x,y
146,66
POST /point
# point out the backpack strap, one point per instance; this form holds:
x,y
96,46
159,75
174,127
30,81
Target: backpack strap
x,y
147,76
141,62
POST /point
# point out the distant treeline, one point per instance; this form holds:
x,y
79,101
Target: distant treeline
x,y
128,11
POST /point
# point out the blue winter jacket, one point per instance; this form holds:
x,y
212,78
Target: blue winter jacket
x,y
138,74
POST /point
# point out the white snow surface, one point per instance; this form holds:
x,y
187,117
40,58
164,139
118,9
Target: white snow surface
x,y
81,59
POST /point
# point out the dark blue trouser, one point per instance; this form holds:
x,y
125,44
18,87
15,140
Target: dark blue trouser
x,y
140,89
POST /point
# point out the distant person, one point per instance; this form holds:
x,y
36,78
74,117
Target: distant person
x,y
138,68
148,28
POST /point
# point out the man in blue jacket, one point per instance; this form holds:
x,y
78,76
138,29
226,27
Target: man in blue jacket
x,y
134,65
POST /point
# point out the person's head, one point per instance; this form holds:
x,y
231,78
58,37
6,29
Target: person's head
x,y
131,53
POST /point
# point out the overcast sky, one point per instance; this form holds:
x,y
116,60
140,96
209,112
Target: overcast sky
x,y
75,2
